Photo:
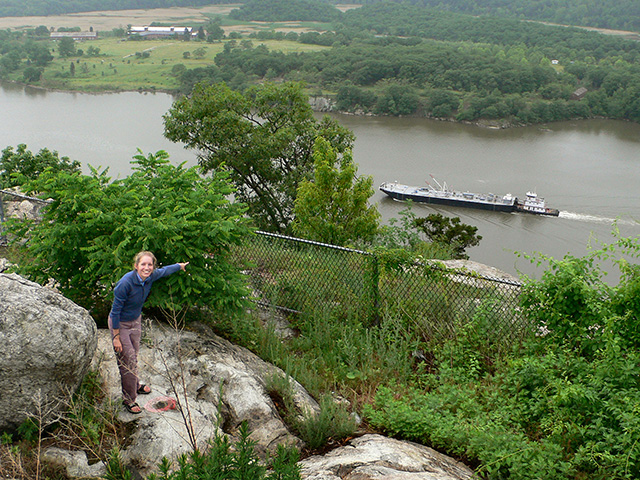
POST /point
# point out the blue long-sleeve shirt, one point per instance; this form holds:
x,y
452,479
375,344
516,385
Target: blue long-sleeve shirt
x,y
130,294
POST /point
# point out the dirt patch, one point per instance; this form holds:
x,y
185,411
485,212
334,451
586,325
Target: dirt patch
x,y
110,19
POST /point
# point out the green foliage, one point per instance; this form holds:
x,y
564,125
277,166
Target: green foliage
x,y
571,304
400,233
223,462
32,74
562,405
332,423
286,10
263,136
29,430
115,467
88,417
93,228
6,438
620,15
20,166
449,231
333,208
397,100
66,47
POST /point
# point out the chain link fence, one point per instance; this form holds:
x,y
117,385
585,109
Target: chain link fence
x,y
302,276
27,206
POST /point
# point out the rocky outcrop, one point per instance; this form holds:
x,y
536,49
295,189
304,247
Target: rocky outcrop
x,y
17,205
214,383
203,386
479,269
374,457
321,104
47,346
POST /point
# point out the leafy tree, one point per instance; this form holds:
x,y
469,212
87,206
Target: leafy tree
x,y
39,54
200,52
214,30
93,228
286,10
178,69
32,74
67,47
350,97
333,207
263,136
93,51
449,231
20,166
41,31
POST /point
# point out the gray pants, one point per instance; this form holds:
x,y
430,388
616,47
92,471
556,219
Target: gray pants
x,y
130,333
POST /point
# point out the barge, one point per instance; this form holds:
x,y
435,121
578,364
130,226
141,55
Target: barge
x,y
442,195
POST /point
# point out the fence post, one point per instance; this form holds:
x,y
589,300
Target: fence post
x,y
375,286
3,237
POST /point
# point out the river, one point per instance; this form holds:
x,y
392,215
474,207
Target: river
x,y
589,170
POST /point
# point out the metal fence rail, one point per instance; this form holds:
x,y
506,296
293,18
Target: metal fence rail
x,y
3,214
307,277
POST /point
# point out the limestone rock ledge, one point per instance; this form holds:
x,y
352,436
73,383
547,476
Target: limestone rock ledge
x,y
47,345
375,457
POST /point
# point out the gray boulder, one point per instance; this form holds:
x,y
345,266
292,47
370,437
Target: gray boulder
x,y
216,386
375,457
47,346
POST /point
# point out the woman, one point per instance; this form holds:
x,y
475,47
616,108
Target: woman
x,y
125,321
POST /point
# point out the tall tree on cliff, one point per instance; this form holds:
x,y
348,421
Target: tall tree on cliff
x,y
263,136
333,208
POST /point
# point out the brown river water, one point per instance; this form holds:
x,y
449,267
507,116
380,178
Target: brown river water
x,y
589,170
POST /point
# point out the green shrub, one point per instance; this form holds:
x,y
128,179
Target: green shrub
x,y
222,462
94,227
565,404
20,166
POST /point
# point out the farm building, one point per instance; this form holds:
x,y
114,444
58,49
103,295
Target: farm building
x,y
160,32
74,35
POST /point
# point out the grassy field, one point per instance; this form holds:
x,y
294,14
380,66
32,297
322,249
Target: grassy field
x,y
144,65
138,65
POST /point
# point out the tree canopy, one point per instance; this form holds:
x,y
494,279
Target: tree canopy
x,y
20,166
448,231
93,228
286,10
263,136
332,208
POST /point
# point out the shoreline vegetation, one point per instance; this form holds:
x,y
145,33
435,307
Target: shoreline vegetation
x,y
382,58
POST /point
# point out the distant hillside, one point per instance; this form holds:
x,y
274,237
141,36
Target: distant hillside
x,y
618,15
22,8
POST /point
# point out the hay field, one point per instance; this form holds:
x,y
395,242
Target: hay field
x,y
110,19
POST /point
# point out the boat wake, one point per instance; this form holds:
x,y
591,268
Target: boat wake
x,y
582,217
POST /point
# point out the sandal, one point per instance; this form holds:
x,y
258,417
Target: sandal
x,y
131,406
144,389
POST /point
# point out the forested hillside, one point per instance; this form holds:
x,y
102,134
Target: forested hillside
x,y
286,10
621,14
385,58
402,59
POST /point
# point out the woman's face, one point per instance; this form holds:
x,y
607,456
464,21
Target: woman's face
x,y
144,267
